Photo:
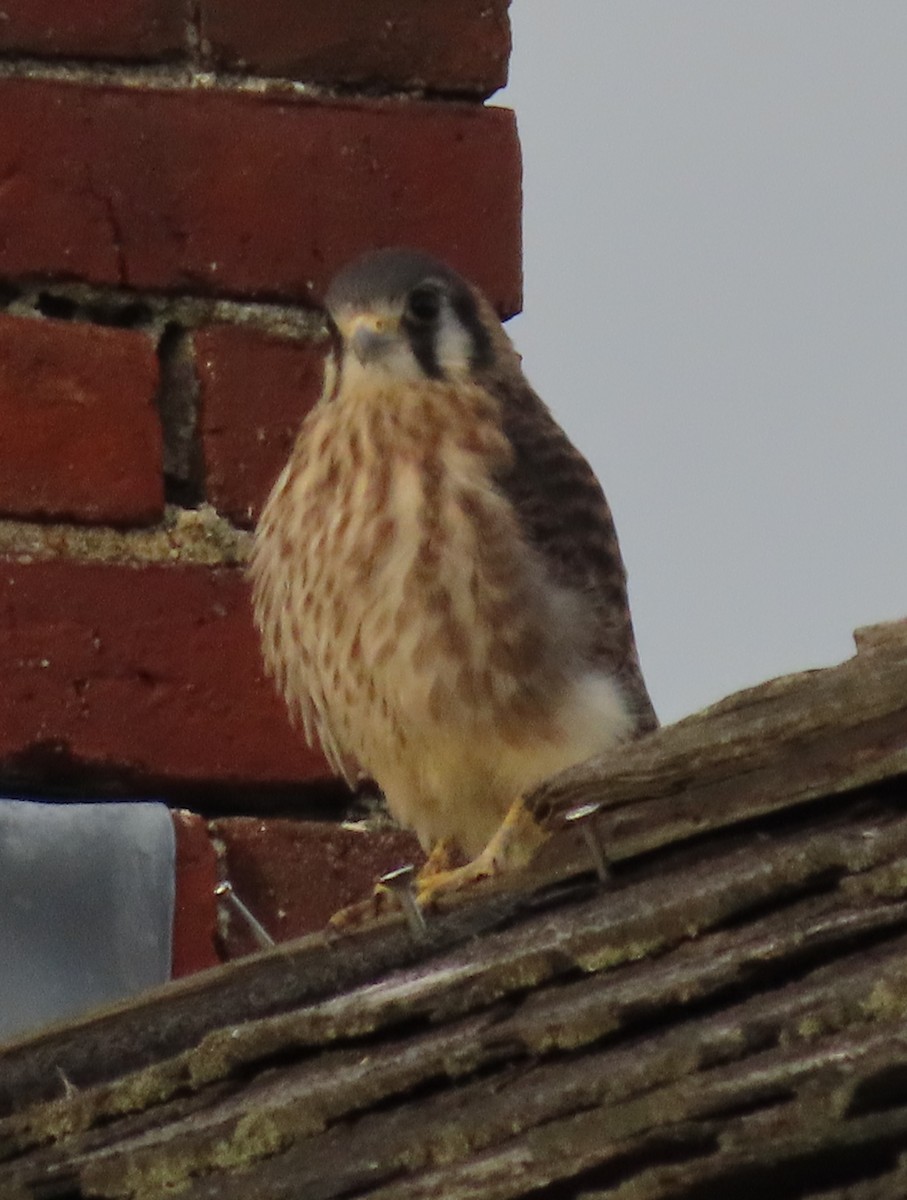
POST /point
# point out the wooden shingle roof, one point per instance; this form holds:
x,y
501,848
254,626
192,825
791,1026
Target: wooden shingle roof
x,y
727,1015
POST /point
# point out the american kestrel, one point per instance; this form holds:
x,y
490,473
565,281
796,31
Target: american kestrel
x,y
437,578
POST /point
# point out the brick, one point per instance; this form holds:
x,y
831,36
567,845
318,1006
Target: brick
x,y
440,45
81,435
149,674
195,904
254,391
244,194
294,875
126,29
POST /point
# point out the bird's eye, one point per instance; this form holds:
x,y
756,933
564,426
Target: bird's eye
x,y
423,305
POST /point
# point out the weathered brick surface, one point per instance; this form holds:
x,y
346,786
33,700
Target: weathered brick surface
x,y
80,432
243,194
195,904
149,670
121,29
149,677
444,45
254,391
294,875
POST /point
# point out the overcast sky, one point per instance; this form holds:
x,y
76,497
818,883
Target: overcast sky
x,y
715,232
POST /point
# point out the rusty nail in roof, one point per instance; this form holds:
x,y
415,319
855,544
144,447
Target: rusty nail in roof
x,y
400,882
262,937
584,818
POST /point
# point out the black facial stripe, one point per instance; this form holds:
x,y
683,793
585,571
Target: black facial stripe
x,y
424,348
423,335
332,331
335,353
467,313
335,337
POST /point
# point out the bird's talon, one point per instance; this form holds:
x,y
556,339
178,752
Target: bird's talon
x,y
381,901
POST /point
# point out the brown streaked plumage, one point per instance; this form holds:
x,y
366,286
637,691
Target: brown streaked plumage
x,y
437,579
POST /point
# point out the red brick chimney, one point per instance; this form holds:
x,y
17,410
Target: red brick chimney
x,y
178,181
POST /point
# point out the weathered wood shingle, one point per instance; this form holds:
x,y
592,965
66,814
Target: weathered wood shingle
x,y
728,1016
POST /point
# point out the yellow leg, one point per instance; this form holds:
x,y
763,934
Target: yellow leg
x,y
444,854
513,845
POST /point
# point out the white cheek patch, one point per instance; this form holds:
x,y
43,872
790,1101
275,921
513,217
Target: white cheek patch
x,y
401,361
396,362
453,344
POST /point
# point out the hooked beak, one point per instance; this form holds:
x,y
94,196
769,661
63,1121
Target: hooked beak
x,y
370,338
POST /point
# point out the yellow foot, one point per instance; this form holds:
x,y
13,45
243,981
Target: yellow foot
x,y
512,846
385,898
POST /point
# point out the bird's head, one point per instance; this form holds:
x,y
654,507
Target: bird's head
x,y
402,314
